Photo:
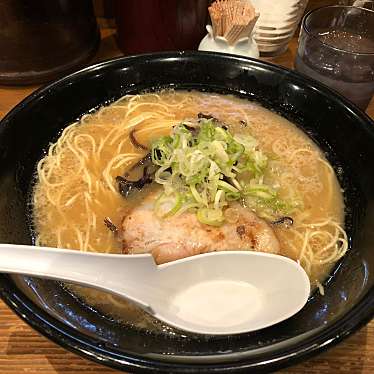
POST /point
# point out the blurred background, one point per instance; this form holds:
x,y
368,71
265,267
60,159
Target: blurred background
x,y
43,40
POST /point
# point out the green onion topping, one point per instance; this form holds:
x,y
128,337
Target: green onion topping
x,y
206,169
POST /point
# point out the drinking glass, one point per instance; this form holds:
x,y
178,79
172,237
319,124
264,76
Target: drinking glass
x,y
369,4
336,47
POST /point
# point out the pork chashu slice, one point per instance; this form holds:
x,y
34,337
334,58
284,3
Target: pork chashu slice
x,y
183,235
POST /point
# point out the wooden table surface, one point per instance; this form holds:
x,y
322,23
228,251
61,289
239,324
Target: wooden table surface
x,y
22,350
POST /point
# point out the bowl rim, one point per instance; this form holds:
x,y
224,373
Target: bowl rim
x,y
84,346
67,337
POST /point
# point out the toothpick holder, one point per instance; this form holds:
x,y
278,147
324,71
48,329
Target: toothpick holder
x,y
244,46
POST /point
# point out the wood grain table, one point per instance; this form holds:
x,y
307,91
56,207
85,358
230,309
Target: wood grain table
x,y
22,350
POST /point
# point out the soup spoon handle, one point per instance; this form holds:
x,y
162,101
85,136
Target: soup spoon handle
x,y
130,276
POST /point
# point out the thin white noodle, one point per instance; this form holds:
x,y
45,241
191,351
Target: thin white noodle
x,y
314,242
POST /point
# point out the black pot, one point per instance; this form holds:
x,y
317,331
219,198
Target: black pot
x,y
346,135
44,40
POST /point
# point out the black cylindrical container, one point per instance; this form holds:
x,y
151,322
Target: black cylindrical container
x,y
41,40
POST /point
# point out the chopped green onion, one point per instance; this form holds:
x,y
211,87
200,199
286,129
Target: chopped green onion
x,y
196,195
167,205
227,186
261,191
201,170
209,216
219,195
231,196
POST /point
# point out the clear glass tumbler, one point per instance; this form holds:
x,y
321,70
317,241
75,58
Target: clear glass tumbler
x,y
336,47
277,23
368,4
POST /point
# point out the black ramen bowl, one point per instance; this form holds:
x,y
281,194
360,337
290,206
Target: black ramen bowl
x,y
344,133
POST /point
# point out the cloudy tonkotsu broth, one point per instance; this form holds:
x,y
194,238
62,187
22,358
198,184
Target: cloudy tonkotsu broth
x,y
76,187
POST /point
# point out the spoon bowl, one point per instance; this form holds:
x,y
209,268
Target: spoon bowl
x,y
215,293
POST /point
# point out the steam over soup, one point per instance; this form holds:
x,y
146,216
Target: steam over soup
x,y
178,173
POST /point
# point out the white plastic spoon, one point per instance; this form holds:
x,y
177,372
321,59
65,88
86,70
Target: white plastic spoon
x,y
214,293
